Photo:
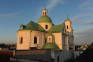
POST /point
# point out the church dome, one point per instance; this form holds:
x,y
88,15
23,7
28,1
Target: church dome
x,y
44,19
50,46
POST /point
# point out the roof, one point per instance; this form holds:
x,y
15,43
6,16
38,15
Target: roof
x,y
56,28
67,19
44,9
33,26
44,19
86,56
50,45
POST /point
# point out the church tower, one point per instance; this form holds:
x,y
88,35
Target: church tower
x,y
45,21
68,24
68,29
44,12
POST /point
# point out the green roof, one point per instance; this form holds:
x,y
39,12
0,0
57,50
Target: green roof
x,y
50,45
44,19
67,19
33,26
44,9
56,28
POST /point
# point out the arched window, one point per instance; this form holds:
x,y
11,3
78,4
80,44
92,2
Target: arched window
x,y
45,40
21,40
67,26
46,26
35,40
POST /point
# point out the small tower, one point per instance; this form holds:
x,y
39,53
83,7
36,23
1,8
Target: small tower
x,y
45,21
68,24
68,28
44,12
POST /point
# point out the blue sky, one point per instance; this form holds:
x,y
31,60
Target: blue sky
x,y
13,13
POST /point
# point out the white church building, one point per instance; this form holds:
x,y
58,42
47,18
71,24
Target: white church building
x,y
44,41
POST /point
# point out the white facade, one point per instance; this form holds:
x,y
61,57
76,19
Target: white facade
x,y
63,39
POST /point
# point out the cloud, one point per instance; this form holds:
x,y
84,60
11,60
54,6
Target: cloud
x,y
84,36
52,3
91,8
88,31
5,16
89,22
83,18
87,5
79,17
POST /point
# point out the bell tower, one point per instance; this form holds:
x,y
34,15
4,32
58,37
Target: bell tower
x,y
68,29
44,12
45,21
68,24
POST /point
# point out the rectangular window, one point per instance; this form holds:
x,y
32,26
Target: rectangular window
x,y
35,40
21,40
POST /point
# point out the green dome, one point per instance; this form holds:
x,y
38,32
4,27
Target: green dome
x,y
44,19
50,46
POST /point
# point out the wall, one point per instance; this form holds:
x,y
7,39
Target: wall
x,y
68,23
58,54
46,23
40,38
58,39
43,55
26,39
